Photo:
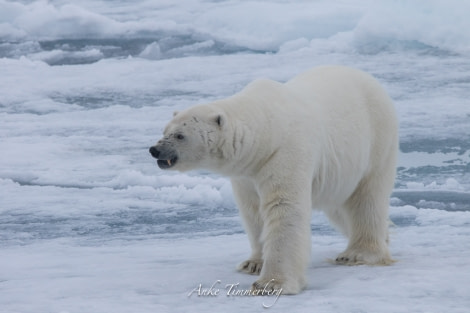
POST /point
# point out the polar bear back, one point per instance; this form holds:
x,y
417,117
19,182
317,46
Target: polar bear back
x,y
341,90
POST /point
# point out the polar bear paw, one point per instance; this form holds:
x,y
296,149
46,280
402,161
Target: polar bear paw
x,y
276,286
252,267
360,257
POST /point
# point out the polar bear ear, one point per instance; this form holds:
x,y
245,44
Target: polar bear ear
x,y
175,113
220,120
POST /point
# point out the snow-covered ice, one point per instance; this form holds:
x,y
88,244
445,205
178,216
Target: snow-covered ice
x,y
88,223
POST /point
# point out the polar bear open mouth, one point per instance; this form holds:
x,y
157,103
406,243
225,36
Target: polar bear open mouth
x,y
164,164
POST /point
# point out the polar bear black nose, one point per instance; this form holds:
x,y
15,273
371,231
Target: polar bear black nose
x,y
154,152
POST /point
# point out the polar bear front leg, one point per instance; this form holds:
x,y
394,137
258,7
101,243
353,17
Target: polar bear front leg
x,y
248,203
286,240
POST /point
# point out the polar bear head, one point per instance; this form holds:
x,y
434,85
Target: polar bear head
x,y
191,140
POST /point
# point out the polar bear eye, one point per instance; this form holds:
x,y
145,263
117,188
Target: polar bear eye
x,y
179,137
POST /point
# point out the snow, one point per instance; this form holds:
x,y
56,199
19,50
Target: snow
x,y
88,223
157,275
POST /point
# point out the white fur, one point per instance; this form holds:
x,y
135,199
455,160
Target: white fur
x,y
326,139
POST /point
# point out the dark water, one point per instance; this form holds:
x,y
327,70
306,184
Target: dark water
x,y
77,51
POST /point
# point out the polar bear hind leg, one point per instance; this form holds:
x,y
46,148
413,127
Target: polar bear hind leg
x,y
367,212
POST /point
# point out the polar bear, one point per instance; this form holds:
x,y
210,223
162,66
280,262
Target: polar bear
x,y
326,139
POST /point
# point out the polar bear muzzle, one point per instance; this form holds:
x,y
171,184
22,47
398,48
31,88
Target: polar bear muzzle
x,y
165,158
